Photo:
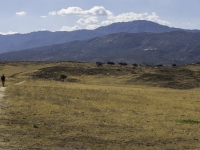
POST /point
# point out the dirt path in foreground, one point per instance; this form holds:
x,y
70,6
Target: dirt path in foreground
x,y
2,90
3,140
4,134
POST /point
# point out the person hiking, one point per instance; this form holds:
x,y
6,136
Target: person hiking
x,y
3,78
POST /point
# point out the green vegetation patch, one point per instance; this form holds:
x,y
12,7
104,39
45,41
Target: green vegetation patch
x,y
189,121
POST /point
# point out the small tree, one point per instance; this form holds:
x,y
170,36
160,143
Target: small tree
x,y
135,65
174,65
123,64
111,63
160,65
99,64
63,77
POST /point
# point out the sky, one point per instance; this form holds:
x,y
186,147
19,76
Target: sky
x,y
25,16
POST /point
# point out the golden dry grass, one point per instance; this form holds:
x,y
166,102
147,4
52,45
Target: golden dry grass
x,y
99,113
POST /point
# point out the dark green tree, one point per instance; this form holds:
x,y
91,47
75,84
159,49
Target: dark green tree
x,y
63,77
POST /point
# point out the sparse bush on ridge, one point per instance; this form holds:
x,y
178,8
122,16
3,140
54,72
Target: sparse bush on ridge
x,y
99,64
111,63
123,64
135,65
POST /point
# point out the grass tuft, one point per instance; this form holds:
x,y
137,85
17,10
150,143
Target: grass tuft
x,y
189,121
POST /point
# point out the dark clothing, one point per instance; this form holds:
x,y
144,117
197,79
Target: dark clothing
x,y
3,78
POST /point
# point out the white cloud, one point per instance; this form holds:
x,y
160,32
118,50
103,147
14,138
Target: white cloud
x,y
92,27
99,11
107,22
43,30
70,11
126,17
8,33
66,28
155,18
90,18
53,13
22,13
95,11
43,16
87,21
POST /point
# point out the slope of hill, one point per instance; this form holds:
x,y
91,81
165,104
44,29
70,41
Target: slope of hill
x,y
44,38
144,48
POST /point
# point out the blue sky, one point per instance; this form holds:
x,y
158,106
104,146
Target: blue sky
x,y
24,16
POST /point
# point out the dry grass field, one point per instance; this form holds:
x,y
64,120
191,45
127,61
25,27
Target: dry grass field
x,y
99,108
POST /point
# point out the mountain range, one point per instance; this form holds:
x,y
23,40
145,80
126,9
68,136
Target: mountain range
x,y
44,38
141,42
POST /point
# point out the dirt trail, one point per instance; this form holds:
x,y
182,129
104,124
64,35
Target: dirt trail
x,y
2,138
2,90
20,83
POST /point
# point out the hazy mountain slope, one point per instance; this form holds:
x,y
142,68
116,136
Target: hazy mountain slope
x,y
136,27
43,38
146,48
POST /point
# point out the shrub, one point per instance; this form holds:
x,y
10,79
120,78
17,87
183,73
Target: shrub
x,y
189,121
63,77
160,65
123,63
135,65
110,63
99,64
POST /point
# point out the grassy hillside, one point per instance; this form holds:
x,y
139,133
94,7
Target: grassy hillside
x,y
98,108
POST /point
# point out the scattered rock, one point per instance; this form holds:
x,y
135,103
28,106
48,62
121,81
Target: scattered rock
x,y
35,126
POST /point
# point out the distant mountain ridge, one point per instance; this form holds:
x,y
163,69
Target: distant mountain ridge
x,y
178,47
44,38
